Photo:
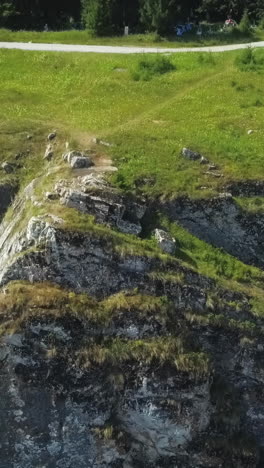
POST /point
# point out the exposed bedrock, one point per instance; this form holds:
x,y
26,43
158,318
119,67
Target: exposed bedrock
x,y
7,193
222,223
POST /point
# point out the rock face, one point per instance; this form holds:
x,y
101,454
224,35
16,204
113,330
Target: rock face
x,y
7,193
60,408
221,222
93,195
247,188
85,262
158,366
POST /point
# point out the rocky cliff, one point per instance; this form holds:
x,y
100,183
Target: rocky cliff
x,y
114,354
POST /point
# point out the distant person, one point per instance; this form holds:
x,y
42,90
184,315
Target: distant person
x,y
230,22
179,31
46,28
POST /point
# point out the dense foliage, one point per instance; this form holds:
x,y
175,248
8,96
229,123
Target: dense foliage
x,y
110,16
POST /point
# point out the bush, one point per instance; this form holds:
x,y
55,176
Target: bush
x,y
244,25
149,67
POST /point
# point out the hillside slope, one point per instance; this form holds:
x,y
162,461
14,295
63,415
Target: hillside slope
x,y
132,284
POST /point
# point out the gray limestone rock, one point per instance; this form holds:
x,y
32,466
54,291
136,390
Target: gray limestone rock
x,y
93,195
77,160
222,222
165,241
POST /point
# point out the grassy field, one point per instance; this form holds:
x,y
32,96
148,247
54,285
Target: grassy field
x,y
207,102
148,40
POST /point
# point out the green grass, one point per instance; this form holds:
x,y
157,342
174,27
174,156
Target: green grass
x,y
159,351
206,104
140,40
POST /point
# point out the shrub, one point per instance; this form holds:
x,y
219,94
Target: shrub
x,y
250,60
149,67
244,25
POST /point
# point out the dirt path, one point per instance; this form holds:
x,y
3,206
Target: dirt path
x,y
122,49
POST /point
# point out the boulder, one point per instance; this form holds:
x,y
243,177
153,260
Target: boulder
x,y
166,242
192,155
81,162
78,160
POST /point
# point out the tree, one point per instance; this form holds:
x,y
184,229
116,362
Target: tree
x,y
244,25
158,15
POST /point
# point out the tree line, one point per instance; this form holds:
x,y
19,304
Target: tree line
x,y
110,16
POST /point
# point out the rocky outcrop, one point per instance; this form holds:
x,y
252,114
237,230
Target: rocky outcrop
x,y
115,381
89,263
221,222
93,195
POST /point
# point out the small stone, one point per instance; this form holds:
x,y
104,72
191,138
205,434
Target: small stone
x,y
8,167
212,167
97,141
225,195
18,156
250,132
217,175
166,242
49,153
51,196
204,160
52,136
192,155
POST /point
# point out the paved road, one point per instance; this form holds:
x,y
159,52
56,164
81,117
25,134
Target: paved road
x,y
122,49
